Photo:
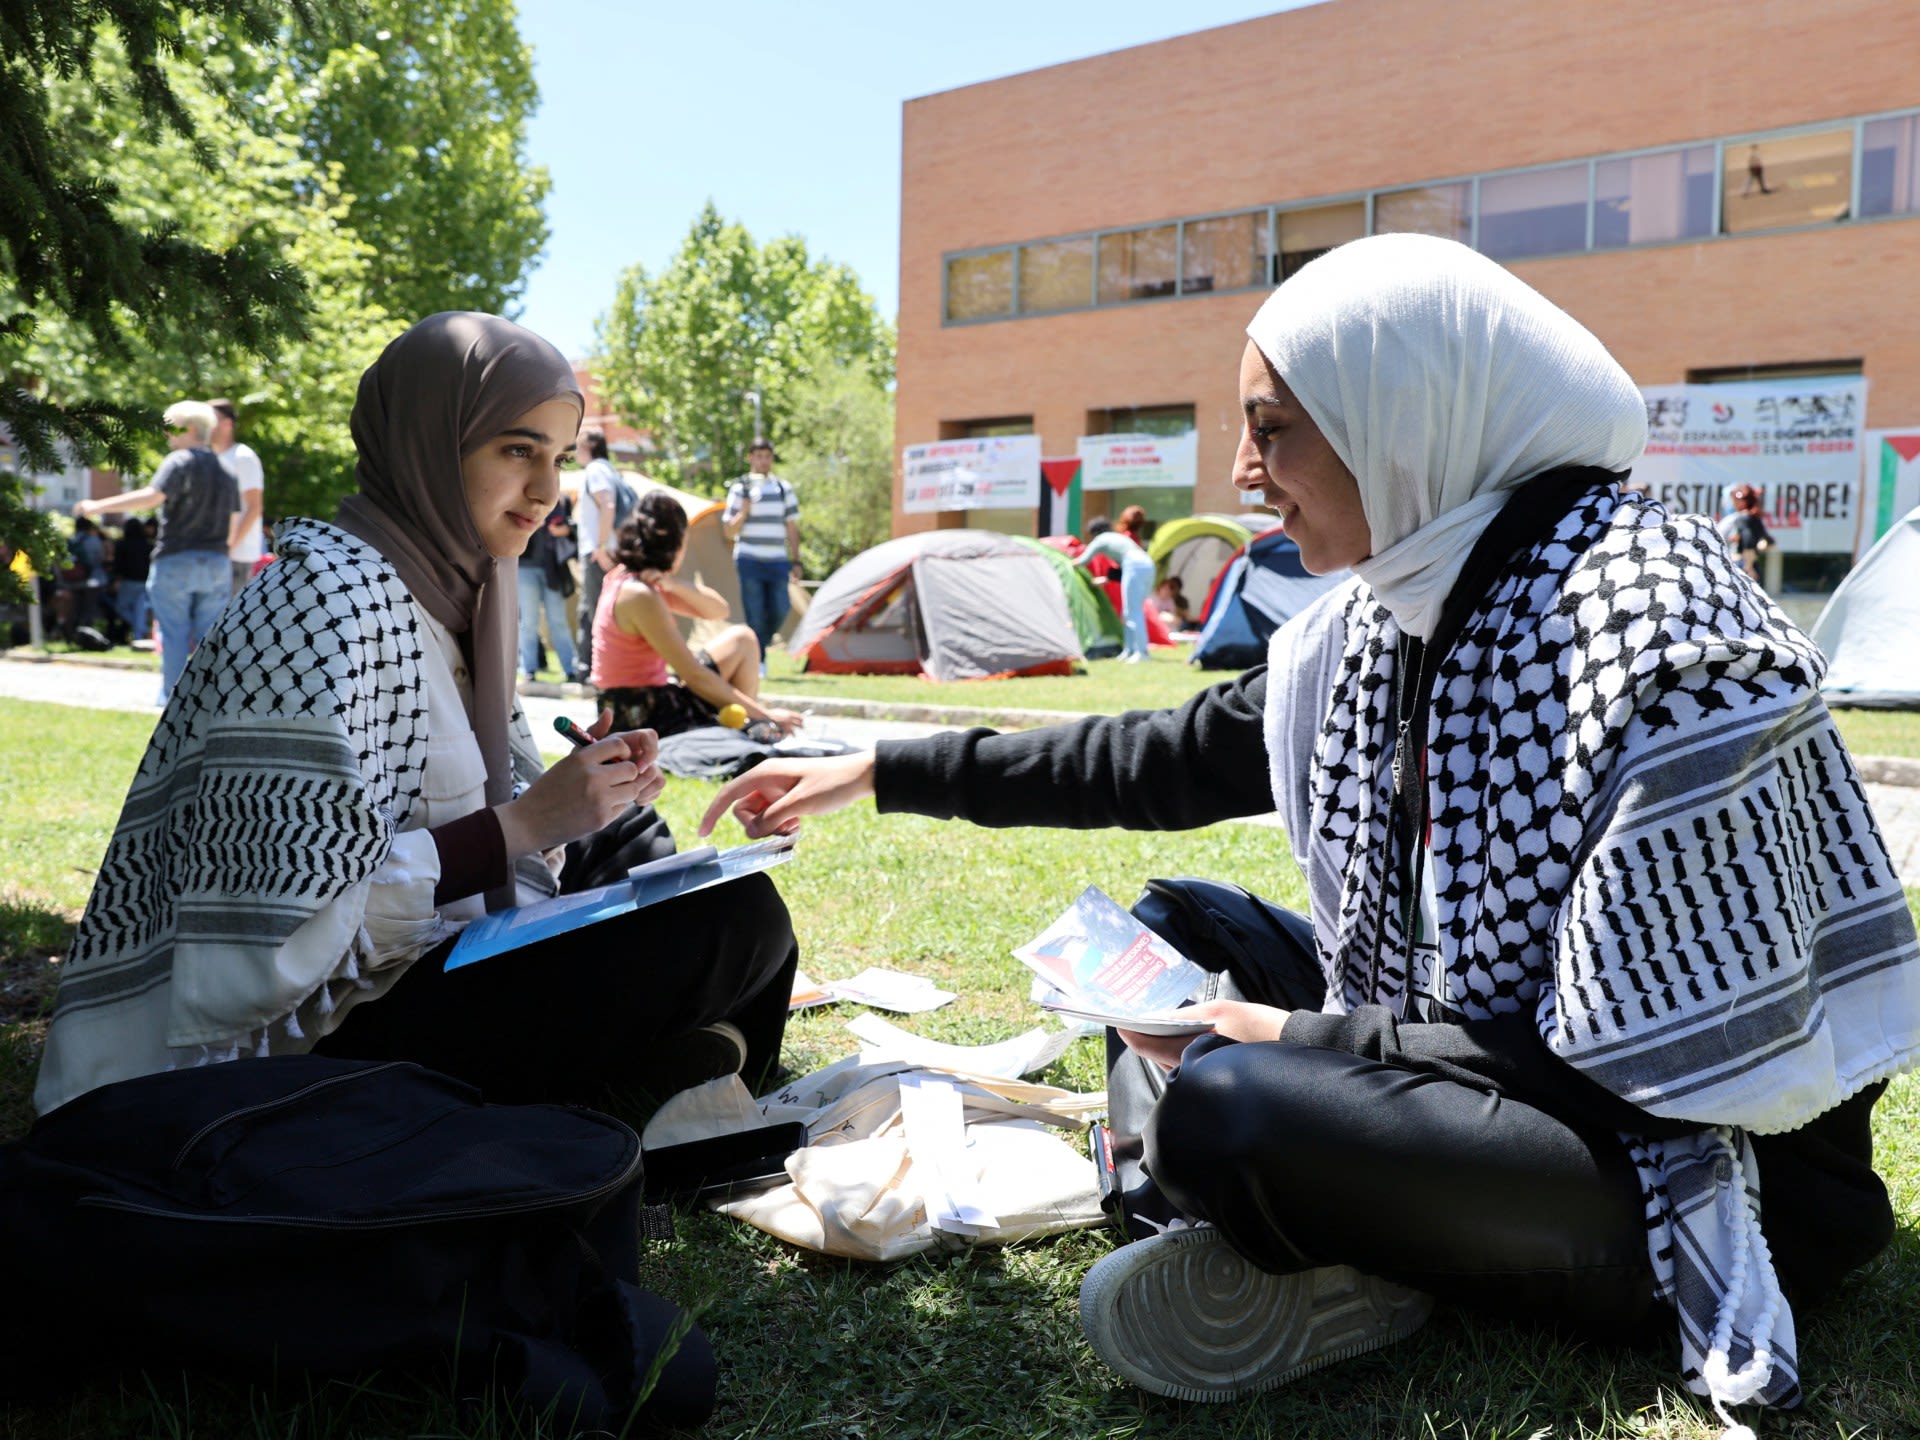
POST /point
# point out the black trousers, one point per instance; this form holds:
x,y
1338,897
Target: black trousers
x,y
597,1010
1304,1156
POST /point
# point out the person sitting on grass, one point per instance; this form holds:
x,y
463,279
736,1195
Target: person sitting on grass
x,y
1607,964
343,776
637,641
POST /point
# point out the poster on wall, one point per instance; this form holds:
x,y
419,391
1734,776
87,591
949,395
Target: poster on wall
x,y
1130,462
994,472
1797,441
1892,462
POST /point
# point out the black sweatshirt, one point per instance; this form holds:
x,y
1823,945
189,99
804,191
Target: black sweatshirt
x,y
1824,1211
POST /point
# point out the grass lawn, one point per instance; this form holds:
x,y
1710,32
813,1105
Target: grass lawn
x,y
983,1343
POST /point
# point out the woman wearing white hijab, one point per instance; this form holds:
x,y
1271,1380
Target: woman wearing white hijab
x,y
344,775
1606,964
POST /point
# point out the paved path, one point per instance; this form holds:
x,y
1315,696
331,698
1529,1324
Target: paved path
x,y
1896,807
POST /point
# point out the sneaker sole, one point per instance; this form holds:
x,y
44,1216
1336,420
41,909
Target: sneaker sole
x,y
1182,1315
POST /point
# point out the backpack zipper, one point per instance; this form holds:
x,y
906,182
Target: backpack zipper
x,y
606,1187
232,1115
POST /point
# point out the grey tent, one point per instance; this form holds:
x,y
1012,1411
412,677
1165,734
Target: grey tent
x,y
954,604
1868,628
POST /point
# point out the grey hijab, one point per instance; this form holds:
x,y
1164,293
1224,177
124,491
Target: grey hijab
x,y
436,394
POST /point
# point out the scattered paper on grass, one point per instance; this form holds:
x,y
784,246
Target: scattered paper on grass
x,y
1022,1055
890,990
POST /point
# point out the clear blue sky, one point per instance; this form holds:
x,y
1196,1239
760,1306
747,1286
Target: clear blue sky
x,y
786,116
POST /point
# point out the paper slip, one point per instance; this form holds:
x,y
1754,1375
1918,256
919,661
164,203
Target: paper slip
x,y
890,990
521,925
1009,1059
806,994
1107,965
935,1122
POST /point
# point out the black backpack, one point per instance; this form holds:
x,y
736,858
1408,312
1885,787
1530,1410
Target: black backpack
x,y
337,1217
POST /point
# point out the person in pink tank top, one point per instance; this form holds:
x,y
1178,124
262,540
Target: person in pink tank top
x,y
643,670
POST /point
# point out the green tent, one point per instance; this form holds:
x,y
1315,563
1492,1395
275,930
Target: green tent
x,y
1094,621
1196,548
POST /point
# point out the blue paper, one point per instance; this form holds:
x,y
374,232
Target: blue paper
x,y
511,929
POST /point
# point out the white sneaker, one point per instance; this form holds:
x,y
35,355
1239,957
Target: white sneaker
x,y
1181,1314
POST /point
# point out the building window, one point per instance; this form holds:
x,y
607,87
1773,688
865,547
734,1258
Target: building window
x,y
1640,199
1792,180
1890,166
1441,210
1139,264
1056,275
1227,253
1536,212
980,286
1307,234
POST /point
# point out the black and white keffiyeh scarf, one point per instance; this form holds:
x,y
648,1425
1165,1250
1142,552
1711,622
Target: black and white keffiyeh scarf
x,y
289,756
1645,832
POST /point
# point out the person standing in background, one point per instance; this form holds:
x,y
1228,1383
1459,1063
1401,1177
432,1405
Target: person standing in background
x,y
130,555
244,465
189,576
762,519
545,584
593,526
1136,580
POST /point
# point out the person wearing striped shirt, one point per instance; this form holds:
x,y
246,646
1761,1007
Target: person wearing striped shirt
x,y
762,519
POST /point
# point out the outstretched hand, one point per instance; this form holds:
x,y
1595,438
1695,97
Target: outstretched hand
x,y
770,798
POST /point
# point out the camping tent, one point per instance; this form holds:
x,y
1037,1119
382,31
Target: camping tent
x,y
1870,629
1195,549
956,604
1094,620
1264,587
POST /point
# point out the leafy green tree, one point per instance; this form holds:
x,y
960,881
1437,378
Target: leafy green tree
x,y
296,399
425,114
678,352
840,460
67,252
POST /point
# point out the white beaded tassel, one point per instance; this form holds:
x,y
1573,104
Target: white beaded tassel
x,y
1751,1260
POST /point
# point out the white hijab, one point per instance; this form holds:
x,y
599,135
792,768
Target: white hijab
x,y
1441,380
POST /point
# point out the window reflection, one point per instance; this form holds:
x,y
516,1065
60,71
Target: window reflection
x,y
1795,180
979,286
1139,264
1537,212
1227,253
1307,234
1056,276
1425,210
1641,199
1890,166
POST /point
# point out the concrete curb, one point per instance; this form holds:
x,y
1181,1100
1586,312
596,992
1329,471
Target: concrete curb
x,y
1888,769
1874,769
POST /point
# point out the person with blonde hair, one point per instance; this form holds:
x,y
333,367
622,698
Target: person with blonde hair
x,y
200,520
1606,963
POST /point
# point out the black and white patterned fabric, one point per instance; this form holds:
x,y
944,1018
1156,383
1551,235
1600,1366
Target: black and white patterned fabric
x,y
1647,834
289,756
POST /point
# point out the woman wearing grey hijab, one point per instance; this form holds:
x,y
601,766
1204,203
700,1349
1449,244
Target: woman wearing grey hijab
x,y
344,775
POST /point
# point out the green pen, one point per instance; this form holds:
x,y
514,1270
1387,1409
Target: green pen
x,y
572,731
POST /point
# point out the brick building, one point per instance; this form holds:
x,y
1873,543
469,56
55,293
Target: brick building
x,y
1082,246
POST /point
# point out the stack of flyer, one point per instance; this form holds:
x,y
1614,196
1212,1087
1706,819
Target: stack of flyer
x,y
1101,964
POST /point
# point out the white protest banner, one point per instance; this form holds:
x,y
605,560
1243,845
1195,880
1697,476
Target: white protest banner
x,y
994,472
1893,480
1130,462
1796,441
